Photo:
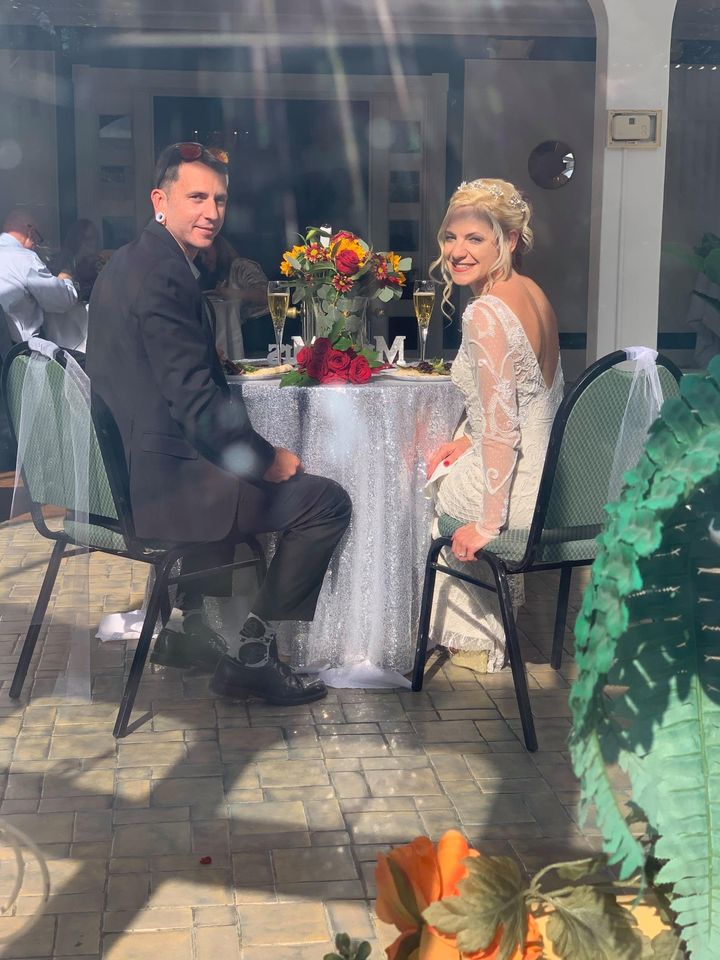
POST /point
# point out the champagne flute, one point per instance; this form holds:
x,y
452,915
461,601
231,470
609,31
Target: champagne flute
x,y
278,301
423,301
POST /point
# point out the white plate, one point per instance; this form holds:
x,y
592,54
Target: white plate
x,y
269,372
395,374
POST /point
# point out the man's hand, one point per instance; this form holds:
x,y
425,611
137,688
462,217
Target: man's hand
x,y
284,466
64,275
448,452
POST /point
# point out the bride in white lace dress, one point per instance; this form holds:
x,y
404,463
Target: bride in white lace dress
x,y
508,368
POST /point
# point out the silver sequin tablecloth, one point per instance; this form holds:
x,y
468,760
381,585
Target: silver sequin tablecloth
x,y
374,440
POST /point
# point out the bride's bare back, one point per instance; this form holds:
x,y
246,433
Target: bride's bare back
x,y
534,311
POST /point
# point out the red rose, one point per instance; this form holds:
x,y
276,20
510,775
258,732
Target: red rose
x,y
321,346
360,371
334,377
347,262
317,368
337,361
341,235
304,357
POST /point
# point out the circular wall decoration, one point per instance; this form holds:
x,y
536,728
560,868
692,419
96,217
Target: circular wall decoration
x,y
552,164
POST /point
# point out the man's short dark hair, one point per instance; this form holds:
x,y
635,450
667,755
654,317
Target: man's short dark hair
x,y
174,156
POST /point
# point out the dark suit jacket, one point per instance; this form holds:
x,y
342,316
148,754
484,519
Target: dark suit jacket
x,y
191,451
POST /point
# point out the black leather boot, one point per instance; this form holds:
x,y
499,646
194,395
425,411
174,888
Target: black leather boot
x,y
198,645
270,679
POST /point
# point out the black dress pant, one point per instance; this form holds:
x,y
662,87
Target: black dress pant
x,y
310,514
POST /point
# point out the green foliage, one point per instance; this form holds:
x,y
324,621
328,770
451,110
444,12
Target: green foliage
x,y
492,896
649,625
589,924
346,949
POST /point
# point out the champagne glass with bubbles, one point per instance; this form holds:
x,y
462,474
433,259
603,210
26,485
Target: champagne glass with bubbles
x,y
278,303
423,301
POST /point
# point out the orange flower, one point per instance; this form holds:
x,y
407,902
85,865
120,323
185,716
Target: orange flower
x,y
417,874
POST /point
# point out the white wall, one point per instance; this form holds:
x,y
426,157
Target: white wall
x,y
692,186
28,143
510,107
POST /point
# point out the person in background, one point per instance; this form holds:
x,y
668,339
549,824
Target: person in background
x,y
27,287
79,257
237,289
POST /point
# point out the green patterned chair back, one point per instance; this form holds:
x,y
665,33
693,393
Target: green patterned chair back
x,y
581,482
582,477
47,458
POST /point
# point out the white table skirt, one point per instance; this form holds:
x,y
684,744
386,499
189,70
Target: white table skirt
x,y
374,440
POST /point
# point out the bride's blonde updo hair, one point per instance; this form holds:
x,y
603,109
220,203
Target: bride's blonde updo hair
x,y
505,209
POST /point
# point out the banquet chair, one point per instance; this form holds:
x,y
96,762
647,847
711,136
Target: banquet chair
x,y
567,519
49,476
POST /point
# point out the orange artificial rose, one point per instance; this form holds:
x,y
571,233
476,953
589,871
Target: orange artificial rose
x,y
417,874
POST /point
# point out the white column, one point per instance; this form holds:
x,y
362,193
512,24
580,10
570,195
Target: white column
x,y
633,65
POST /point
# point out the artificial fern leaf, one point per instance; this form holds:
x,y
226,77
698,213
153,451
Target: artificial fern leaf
x,y
650,624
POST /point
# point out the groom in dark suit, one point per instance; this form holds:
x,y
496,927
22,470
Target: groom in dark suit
x,y
198,471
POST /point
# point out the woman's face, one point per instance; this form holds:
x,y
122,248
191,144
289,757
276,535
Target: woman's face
x,y
470,250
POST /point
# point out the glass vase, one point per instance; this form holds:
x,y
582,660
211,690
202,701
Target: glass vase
x,y
353,312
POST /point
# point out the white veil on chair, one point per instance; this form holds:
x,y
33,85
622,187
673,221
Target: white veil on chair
x,y
53,457
642,409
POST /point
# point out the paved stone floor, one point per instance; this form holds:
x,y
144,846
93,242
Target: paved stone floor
x,y
291,804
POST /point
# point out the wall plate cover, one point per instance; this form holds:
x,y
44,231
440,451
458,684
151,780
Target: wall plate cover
x,y
634,128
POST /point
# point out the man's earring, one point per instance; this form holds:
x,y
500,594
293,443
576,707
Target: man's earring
x,y
160,216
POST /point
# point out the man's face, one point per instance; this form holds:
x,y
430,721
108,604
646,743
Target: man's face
x,y
194,206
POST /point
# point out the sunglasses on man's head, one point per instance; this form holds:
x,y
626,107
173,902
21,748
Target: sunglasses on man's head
x,y
189,152
193,151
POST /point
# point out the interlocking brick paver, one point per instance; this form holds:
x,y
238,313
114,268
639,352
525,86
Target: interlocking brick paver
x,y
291,805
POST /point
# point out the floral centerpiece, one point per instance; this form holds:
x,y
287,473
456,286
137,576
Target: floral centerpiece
x,y
335,277
332,359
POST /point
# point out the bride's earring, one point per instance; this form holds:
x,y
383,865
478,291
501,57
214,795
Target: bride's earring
x,y
160,216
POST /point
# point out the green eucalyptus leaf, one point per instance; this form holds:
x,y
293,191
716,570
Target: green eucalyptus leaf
x,y
336,330
342,943
385,294
405,264
590,925
712,266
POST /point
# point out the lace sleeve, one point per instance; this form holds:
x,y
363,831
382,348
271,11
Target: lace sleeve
x,y
493,372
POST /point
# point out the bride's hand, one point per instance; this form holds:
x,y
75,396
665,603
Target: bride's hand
x,y
467,541
448,452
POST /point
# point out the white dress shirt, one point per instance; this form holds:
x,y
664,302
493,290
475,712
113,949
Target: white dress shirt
x,y
27,289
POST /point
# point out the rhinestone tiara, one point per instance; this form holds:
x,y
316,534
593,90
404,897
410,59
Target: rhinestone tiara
x,y
515,200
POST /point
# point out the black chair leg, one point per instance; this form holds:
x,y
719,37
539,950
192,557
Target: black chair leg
x,y
426,613
38,618
516,661
159,591
260,561
165,607
561,618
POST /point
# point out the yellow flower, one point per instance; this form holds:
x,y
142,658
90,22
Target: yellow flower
x,y
394,260
286,268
